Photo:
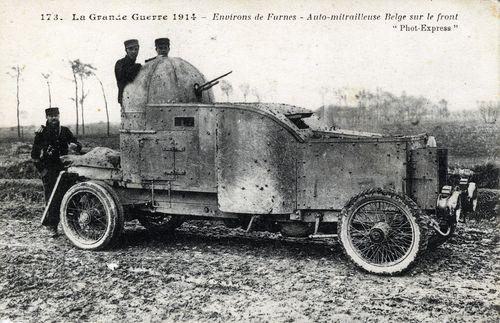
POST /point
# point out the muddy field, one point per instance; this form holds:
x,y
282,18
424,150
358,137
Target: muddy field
x,y
206,272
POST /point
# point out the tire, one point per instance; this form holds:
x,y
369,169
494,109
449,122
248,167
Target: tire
x,y
383,232
159,223
92,216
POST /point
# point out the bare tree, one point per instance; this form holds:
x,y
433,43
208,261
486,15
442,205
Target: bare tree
x,y
245,89
374,108
364,98
341,96
17,75
376,104
74,69
271,90
443,108
489,111
256,93
83,71
418,110
227,88
105,104
83,95
46,76
323,91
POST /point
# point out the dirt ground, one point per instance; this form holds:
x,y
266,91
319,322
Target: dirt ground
x,y
206,272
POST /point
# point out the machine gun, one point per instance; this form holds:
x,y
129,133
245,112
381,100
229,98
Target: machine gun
x,y
198,89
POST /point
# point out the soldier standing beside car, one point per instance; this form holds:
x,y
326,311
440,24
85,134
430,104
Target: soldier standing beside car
x,y
51,142
126,69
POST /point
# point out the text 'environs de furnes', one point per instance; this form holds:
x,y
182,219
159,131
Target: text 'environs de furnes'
x,y
335,17
292,17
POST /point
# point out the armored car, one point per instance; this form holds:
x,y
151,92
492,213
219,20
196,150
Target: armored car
x,y
258,166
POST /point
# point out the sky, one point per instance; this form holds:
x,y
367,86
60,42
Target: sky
x,y
287,61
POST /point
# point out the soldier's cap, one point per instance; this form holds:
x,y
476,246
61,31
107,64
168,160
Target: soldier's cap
x,y
162,41
131,42
52,112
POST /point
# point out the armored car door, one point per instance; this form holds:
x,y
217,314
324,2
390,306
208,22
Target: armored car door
x,y
156,159
182,150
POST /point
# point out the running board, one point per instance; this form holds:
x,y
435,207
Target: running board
x,y
320,236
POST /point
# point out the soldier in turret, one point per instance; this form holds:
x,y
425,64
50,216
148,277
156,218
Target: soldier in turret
x,y
51,142
162,46
126,69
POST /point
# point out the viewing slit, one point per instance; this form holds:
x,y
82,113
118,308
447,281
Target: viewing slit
x,y
184,121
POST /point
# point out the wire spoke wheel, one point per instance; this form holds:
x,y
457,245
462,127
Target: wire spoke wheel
x,y
87,216
90,215
382,232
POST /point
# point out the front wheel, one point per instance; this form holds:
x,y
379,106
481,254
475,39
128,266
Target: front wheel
x,y
383,232
91,215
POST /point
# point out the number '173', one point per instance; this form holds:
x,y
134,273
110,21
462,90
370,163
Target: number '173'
x,y
50,16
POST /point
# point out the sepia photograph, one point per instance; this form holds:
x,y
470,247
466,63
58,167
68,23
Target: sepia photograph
x,y
249,161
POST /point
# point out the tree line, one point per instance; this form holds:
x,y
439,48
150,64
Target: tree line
x,y
343,106
346,107
81,73
364,107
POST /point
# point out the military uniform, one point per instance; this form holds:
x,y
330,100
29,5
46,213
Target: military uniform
x,y
162,46
126,70
49,145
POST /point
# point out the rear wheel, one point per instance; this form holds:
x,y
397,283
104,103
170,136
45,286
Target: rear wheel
x,y
91,215
383,232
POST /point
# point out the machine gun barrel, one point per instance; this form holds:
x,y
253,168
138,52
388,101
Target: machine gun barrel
x,y
198,89
209,83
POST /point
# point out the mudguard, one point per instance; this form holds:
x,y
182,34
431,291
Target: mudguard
x,y
100,163
64,181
